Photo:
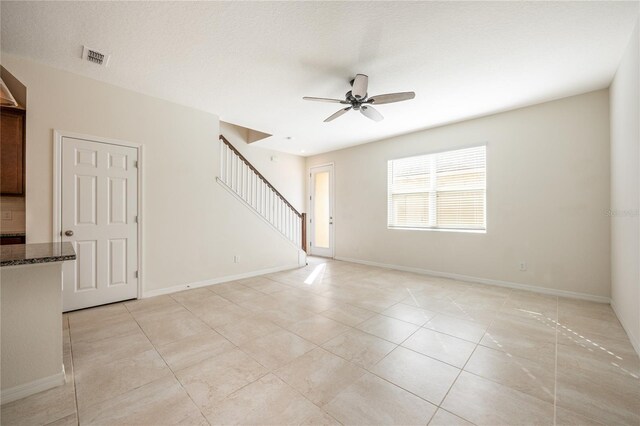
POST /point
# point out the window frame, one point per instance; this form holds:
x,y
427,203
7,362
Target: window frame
x,y
433,192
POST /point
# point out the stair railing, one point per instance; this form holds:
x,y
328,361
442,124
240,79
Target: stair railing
x,y
241,177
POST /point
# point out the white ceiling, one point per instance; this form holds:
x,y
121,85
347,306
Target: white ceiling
x,y
251,62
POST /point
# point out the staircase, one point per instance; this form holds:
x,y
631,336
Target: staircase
x,y
240,178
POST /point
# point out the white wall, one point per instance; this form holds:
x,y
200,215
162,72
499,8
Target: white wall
x,y
192,226
625,191
286,172
547,194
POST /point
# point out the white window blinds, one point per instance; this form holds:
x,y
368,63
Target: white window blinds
x,y
446,190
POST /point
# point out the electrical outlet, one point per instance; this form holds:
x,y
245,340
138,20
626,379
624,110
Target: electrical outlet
x,y
523,266
236,259
6,215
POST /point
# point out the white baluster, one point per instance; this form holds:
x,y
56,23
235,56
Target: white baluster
x,y
234,177
229,166
226,167
288,216
226,164
243,181
280,215
231,171
250,186
245,185
236,165
254,185
255,191
239,175
260,197
222,171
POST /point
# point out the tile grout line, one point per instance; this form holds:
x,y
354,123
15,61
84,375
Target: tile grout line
x,y
73,370
272,371
368,370
454,382
467,361
269,371
167,364
75,388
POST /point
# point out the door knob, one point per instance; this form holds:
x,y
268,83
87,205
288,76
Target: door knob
x,y
68,233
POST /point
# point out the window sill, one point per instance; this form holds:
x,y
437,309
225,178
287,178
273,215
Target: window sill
x,y
468,231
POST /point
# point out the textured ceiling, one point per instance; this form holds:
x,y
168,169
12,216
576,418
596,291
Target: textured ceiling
x,y
251,62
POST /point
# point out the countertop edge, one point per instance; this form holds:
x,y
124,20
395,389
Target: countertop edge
x,y
50,259
33,254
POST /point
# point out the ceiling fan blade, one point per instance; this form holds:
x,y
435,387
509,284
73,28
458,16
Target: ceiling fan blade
x,y
336,101
337,114
360,84
391,97
370,112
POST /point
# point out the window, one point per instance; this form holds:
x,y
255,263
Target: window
x,y
446,190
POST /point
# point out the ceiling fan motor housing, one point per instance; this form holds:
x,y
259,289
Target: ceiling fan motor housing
x,y
355,102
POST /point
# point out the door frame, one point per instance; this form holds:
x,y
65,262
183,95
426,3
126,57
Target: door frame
x,y
57,188
332,199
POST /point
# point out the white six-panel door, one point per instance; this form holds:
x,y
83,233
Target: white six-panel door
x,y
99,208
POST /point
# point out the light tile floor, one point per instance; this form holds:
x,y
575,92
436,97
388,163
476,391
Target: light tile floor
x,y
338,342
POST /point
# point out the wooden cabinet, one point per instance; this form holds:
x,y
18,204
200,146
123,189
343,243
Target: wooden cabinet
x,y
12,150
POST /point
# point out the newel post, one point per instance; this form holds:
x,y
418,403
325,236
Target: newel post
x,y
304,232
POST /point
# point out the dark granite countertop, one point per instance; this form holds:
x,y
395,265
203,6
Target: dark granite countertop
x,y
27,254
12,234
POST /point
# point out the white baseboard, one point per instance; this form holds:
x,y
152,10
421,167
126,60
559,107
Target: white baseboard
x,y
488,281
21,391
634,342
219,280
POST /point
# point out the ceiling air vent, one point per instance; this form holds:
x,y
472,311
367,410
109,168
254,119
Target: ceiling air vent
x,y
94,56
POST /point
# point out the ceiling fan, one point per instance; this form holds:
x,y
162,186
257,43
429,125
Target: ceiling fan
x,y
357,99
